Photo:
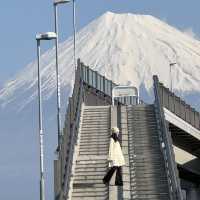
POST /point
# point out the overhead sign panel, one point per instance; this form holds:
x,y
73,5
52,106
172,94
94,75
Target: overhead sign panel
x,y
124,91
121,91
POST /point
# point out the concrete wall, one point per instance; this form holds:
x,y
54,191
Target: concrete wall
x,y
191,190
93,97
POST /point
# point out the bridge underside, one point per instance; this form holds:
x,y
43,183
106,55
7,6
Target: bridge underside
x,y
184,140
190,183
189,171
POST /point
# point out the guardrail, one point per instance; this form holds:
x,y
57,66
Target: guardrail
x,y
73,142
71,133
99,82
178,106
166,146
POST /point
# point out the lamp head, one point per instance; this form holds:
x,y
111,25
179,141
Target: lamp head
x,y
171,64
56,2
46,36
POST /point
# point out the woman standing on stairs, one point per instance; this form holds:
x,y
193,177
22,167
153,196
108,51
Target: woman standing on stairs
x,y
115,158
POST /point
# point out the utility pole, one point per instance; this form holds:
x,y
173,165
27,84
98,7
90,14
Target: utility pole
x,y
39,37
56,3
74,27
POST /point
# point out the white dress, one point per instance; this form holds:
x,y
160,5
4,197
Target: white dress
x,y
115,156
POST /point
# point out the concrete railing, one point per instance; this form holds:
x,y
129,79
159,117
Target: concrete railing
x,y
70,135
166,146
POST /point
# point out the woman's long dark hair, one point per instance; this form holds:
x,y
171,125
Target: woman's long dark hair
x,y
115,137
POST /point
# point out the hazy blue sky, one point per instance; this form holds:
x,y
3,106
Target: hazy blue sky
x,y
20,21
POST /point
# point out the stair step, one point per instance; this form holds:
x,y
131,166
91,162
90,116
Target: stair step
x,y
152,176
90,173
148,184
91,180
90,190
94,153
151,137
94,146
84,143
90,170
96,135
90,193
89,198
83,139
152,196
105,132
94,128
143,151
101,166
91,144
144,165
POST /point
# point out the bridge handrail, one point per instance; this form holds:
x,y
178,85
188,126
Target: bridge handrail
x,y
75,112
178,106
166,145
96,80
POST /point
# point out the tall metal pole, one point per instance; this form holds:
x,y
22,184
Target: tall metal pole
x,y
57,81
42,192
74,27
170,71
171,77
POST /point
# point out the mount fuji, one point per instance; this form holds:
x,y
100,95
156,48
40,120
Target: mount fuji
x,y
126,48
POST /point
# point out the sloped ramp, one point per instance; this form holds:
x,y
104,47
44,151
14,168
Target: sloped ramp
x,y
91,162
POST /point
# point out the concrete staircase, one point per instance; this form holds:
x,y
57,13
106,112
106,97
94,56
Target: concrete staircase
x,y
91,163
148,177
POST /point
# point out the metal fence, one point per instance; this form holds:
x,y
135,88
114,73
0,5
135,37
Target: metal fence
x,y
99,82
178,106
166,143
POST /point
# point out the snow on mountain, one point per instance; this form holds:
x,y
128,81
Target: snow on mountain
x,y
123,47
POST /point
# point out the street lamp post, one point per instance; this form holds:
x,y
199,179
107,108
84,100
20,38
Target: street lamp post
x,y
74,27
56,3
39,37
170,65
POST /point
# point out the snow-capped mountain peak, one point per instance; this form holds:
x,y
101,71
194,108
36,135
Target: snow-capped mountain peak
x,y
123,47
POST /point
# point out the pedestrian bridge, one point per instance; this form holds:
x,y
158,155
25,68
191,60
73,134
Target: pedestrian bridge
x,y
160,143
